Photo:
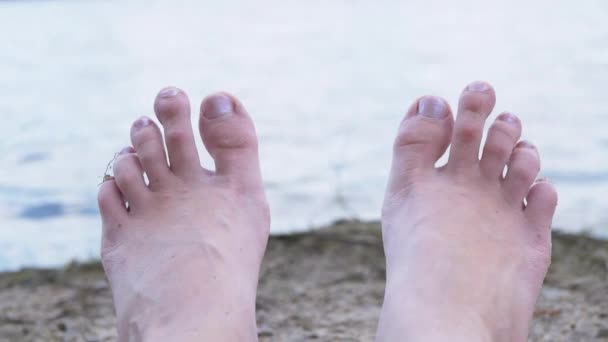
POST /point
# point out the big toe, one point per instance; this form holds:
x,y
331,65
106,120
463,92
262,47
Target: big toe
x,y
229,135
423,136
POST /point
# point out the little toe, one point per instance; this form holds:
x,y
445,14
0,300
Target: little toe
x,y
173,111
423,136
541,203
523,167
148,143
112,209
476,103
502,138
128,175
111,203
229,135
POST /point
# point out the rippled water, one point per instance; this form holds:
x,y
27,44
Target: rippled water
x,y
326,81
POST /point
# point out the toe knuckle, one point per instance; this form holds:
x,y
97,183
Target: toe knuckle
x,y
235,142
528,158
468,131
522,174
499,148
176,135
417,132
123,163
406,139
504,133
168,110
144,136
150,152
549,191
119,164
474,103
231,137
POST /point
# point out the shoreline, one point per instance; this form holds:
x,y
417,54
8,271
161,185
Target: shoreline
x,y
323,285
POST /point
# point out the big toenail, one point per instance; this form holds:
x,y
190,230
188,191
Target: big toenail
x,y
218,106
478,87
432,107
168,92
142,122
507,117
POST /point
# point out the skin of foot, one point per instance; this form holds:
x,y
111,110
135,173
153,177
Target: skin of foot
x,y
467,245
182,250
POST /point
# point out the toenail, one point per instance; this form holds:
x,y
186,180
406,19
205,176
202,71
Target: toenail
x,y
478,87
507,117
127,150
168,92
432,107
218,106
526,144
142,122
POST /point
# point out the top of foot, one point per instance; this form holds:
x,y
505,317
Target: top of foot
x,y
467,245
182,251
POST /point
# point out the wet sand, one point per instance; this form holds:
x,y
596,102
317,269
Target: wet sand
x,y
325,285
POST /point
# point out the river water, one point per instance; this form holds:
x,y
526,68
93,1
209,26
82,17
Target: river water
x,y
326,81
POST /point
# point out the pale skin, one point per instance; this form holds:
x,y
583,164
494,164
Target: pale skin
x,y
183,261
465,256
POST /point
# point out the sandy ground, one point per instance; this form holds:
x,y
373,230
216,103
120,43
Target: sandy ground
x,y
326,285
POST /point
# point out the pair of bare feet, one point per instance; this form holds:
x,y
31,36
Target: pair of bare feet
x,y
466,248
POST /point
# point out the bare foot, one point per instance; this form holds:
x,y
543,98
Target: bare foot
x,y
465,257
183,259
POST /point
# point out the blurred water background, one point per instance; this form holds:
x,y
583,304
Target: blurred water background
x,y
327,82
